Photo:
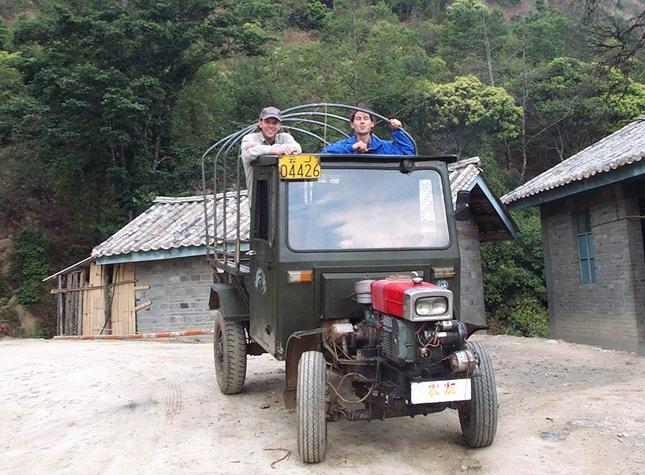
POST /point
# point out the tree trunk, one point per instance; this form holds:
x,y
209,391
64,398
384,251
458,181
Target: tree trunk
x,y
489,60
525,100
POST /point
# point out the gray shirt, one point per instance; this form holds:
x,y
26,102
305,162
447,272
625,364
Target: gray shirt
x,y
254,145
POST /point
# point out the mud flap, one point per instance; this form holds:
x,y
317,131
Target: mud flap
x,y
227,299
298,343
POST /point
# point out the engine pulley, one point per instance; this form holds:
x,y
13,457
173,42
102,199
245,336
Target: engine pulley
x,y
462,361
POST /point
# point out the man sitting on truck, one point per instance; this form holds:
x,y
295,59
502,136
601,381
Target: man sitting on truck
x,y
364,141
268,141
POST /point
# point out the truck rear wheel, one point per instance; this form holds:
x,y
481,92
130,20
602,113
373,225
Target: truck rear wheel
x,y
310,407
229,345
478,417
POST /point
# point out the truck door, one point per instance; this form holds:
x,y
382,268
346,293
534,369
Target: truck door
x,y
262,282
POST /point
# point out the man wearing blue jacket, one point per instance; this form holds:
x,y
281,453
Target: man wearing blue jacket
x,y
364,141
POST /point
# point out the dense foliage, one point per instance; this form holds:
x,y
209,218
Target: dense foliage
x,y
29,266
105,104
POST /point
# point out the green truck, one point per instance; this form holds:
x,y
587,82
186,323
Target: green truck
x,y
350,274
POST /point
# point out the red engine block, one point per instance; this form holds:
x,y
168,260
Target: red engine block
x,y
388,294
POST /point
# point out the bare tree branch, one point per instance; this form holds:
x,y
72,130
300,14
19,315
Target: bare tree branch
x,y
616,38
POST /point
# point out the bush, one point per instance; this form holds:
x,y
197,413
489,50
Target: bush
x,y
514,286
308,14
29,265
523,316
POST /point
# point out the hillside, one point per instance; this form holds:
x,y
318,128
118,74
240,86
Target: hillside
x,y
105,105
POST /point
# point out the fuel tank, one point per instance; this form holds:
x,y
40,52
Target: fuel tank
x,y
388,295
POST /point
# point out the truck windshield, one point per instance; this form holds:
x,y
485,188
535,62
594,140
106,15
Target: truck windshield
x,y
367,209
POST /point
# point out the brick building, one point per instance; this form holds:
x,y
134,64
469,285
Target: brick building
x,y
152,274
592,209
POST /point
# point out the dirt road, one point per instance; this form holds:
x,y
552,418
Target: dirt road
x,y
153,407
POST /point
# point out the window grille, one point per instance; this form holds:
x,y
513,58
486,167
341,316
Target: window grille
x,y
585,248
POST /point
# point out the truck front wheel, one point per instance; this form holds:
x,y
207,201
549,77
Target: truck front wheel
x,y
229,344
310,407
478,417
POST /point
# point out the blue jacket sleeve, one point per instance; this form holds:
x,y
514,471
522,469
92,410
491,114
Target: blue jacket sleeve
x,y
401,145
342,146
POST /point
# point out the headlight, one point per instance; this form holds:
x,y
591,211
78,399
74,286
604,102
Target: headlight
x,y
431,306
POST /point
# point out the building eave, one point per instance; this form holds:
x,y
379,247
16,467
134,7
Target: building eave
x,y
497,206
609,178
157,255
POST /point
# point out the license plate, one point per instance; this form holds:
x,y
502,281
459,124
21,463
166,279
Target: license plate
x,y
440,391
299,167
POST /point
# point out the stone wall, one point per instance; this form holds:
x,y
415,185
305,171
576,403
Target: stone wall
x,y
179,292
472,284
609,312
180,287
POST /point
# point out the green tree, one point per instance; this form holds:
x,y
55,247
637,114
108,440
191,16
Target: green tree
x,y
473,39
462,113
567,108
103,78
307,14
546,33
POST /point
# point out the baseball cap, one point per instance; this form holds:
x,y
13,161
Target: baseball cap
x,y
268,112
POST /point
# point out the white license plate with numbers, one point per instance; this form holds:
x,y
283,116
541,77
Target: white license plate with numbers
x,y
440,391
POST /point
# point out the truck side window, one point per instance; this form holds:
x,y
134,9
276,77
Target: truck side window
x,y
261,230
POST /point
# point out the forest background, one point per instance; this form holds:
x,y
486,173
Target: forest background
x,y
106,104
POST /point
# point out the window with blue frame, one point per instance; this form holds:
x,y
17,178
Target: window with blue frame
x,y
585,248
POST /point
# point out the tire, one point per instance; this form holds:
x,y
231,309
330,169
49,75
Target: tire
x,y
311,413
478,417
229,348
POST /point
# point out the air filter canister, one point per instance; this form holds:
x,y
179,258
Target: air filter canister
x,y
363,291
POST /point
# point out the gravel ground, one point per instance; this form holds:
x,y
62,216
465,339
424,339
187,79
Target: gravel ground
x,y
154,407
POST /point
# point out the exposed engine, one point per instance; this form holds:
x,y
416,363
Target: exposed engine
x,y
409,324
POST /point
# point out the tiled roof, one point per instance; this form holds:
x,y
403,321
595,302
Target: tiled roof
x,y
619,149
174,223
463,175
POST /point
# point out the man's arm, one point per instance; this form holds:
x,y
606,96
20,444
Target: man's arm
x,y
251,149
342,146
290,146
402,143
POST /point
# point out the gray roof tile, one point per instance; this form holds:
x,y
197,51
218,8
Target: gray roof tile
x,y
463,175
619,149
174,223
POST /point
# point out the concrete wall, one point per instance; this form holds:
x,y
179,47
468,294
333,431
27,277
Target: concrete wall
x,y
472,284
609,312
179,291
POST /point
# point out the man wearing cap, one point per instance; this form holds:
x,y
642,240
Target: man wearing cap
x,y
268,141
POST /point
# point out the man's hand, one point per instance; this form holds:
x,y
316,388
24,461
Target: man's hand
x,y
360,146
394,124
290,149
284,149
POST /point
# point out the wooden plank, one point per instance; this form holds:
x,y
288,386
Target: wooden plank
x,y
72,304
143,305
142,287
91,287
68,304
80,304
122,311
59,308
107,302
93,302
